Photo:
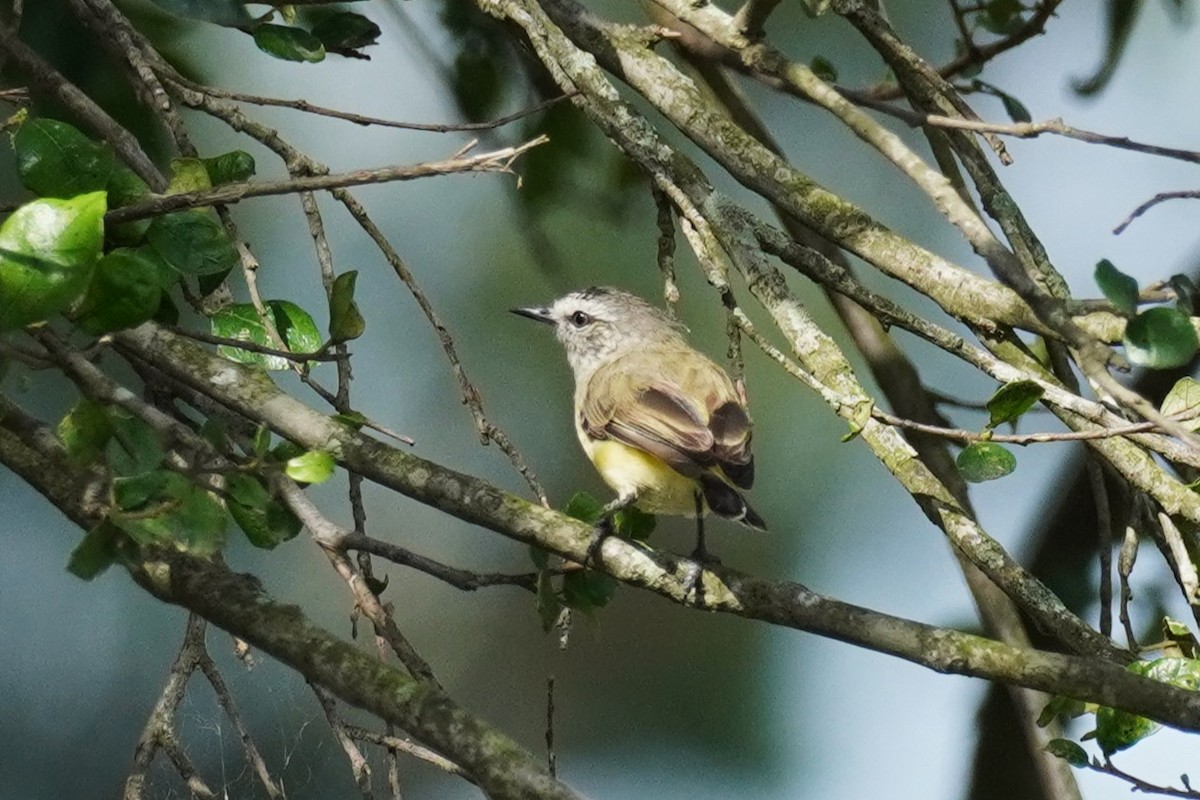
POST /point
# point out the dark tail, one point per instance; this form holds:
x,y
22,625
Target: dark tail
x,y
726,501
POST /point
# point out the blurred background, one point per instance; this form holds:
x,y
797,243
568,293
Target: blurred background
x,y
652,700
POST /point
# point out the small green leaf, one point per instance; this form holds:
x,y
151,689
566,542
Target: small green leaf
x,y
96,552
134,447
352,419
1118,730
1185,293
346,32
124,292
242,322
1184,401
48,249
1183,641
985,461
262,441
1068,751
221,12
124,188
1015,109
634,524
192,242
585,508
345,321
231,167
188,175
1160,338
266,521
1002,17
1120,289
133,492
314,466
289,44
55,159
1012,400
1062,708
824,69
85,431
587,590
549,607
188,516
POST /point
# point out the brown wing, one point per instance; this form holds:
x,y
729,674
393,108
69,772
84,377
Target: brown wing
x,y
682,410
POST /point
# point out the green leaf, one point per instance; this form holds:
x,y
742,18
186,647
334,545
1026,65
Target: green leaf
x,y
346,32
48,249
585,508
134,447
1182,639
1184,400
345,321
859,416
96,552
124,188
1068,751
289,44
191,519
1185,293
1120,289
587,590
124,292
55,159
352,419
1012,400
230,13
1160,338
188,175
1118,730
242,322
133,492
1061,707
1001,17
985,461
549,607
85,431
634,524
231,167
265,520
192,242
478,83
1015,109
824,69
262,441
314,466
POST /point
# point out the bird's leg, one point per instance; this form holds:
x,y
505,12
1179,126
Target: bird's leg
x,y
701,554
605,527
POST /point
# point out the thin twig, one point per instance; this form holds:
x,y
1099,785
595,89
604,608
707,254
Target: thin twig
x,y
1125,562
227,194
405,746
462,579
359,767
1162,197
254,347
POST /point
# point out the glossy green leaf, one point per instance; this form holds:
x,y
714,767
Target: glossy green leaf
x,y
289,44
1182,639
190,518
124,291
134,447
1012,400
1068,751
124,188
1120,289
96,552
241,321
85,431
346,33
265,520
824,69
587,590
985,461
188,175
314,466
48,249
345,321
585,508
133,492
1118,730
192,242
220,12
55,159
1160,338
1184,401
231,167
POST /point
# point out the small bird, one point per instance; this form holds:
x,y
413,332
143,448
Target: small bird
x,y
663,424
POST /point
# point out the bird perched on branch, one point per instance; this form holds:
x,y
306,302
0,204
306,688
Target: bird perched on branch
x,y
664,425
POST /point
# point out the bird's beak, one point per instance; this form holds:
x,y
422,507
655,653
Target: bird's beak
x,y
535,314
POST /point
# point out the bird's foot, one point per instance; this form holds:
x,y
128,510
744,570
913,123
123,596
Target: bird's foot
x,y
604,528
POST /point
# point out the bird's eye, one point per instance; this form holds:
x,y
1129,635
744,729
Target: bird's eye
x,y
579,319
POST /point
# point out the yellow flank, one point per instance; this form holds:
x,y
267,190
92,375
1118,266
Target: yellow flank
x,y
628,470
